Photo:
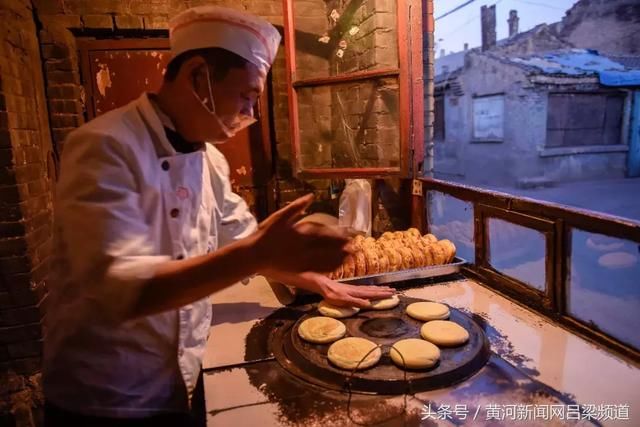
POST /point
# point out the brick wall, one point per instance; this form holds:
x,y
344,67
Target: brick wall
x,y
42,100
27,171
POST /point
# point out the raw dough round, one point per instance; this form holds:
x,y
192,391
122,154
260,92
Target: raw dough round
x,y
321,330
444,333
348,352
427,310
414,353
329,310
386,303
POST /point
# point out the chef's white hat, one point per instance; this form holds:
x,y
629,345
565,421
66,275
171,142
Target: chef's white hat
x,y
248,36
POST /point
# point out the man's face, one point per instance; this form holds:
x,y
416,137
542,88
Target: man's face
x,y
234,96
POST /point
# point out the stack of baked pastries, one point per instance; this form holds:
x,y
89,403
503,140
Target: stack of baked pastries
x,y
394,251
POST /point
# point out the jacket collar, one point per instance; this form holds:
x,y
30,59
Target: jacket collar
x,y
156,121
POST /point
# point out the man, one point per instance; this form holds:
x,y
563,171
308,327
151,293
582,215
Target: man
x,y
147,227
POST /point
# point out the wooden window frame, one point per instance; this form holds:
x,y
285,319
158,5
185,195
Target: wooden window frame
x,y
602,92
476,140
411,96
556,222
482,213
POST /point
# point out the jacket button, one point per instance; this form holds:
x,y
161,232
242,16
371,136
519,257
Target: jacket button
x,y
174,212
165,165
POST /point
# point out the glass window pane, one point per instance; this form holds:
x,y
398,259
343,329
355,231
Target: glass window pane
x,y
335,38
518,252
604,284
350,125
451,218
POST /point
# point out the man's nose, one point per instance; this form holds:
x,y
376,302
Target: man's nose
x,y
248,111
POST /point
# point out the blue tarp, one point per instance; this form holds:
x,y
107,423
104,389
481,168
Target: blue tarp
x,y
582,62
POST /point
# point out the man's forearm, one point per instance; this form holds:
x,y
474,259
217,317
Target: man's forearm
x,y
178,283
309,281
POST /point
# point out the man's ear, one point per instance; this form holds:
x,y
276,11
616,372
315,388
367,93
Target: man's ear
x,y
193,69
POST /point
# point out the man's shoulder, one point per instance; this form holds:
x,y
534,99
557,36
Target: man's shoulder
x,y
119,123
217,160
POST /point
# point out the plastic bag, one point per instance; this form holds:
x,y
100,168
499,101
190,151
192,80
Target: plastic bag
x,y
354,210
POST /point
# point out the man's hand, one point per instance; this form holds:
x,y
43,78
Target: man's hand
x,y
341,294
284,246
335,293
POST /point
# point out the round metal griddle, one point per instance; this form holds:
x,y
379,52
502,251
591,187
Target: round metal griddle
x,y
309,361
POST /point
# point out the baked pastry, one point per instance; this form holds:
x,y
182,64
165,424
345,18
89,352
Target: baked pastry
x,y
371,260
349,267
360,264
449,249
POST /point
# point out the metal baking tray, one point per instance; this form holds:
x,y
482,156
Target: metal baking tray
x,y
402,275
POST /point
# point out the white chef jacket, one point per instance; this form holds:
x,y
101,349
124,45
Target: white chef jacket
x,y
126,201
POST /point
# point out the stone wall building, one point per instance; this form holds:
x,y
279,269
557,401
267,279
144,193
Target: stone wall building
x,y
534,108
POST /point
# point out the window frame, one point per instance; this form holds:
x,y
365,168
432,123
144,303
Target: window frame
x,y
477,140
410,94
557,222
605,93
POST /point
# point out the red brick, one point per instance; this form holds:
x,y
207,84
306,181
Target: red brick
x,y
98,21
67,106
14,265
25,349
64,120
95,7
60,134
19,316
23,366
38,236
36,188
62,77
48,7
10,213
149,7
5,139
24,291
5,120
13,246
65,91
33,154
11,229
59,65
55,51
5,299
40,273
28,173
6,157
15,334
129,22
10,194
156,22
27,121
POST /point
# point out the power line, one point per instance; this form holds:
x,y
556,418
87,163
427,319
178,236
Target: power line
x,y
473,18
542,4
455,9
